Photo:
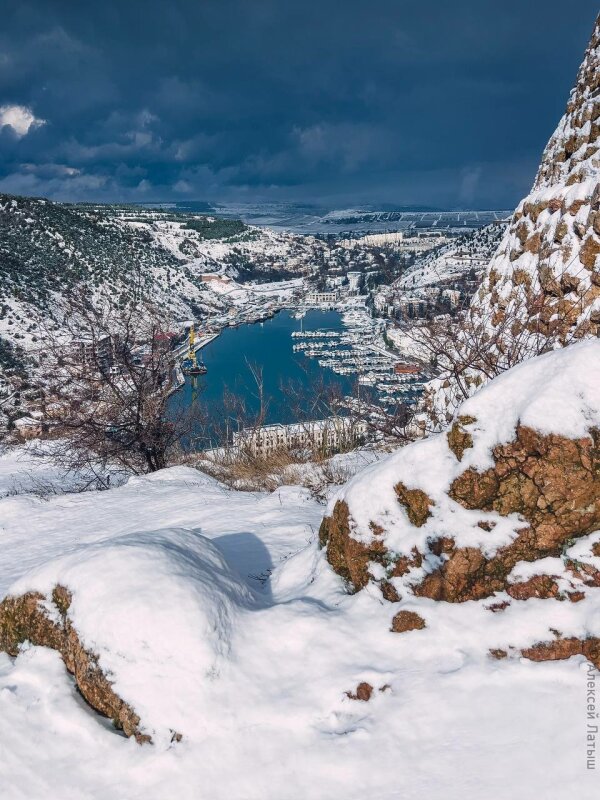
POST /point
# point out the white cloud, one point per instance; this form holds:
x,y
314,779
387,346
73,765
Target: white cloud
x,y
183,186
20,118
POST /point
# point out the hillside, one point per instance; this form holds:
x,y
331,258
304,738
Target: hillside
x,y
122,253
210,622
468,254
46,247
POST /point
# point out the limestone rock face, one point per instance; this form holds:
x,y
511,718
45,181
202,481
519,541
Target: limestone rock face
x,y
542,287
505,505
547,265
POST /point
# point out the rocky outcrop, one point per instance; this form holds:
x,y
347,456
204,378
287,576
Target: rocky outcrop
x,y
560,649
550,481
542,287
30,617
492,509
407,621
546,270
363,692
349,558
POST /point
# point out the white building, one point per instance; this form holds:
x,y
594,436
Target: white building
x,y
382,300
335,281
452,296
322,298
328,435
376,240
354,282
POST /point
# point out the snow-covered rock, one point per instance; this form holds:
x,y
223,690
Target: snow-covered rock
x,y
490,512
516,478
155,609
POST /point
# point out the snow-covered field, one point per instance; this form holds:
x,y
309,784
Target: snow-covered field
x,y
170,580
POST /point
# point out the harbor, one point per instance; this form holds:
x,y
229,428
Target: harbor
x,y
358,351
290,354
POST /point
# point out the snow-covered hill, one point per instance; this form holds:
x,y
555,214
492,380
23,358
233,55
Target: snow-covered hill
x,y
219,622
123,253
467,255
46,248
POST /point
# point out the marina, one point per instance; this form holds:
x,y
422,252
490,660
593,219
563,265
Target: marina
x,y
358,351
291,353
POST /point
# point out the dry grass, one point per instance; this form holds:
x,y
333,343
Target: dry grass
x,y
246,471
251,472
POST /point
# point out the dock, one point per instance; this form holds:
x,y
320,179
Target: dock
x,y
200,342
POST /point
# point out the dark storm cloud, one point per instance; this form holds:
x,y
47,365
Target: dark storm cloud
x,y
386,101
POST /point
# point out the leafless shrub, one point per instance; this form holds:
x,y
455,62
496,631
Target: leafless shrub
x,y
358,409
248,471
110,374
488,338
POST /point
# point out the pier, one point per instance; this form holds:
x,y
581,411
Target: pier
x,y
201,341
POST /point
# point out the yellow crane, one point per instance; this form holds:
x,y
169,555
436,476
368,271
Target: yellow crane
x,y
190,365
192,342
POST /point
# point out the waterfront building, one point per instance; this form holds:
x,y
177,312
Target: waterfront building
x,y
406,369
322,298
328,435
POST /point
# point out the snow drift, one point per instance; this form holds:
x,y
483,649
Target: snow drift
x,y
154,611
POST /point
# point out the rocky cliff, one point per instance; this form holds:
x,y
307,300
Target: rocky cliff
x,y
542,287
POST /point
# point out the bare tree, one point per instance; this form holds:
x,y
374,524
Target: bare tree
x,y
365,419
486,339
110,387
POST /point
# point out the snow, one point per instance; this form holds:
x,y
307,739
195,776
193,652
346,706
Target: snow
x,y
31,469
217,616
558,392
160,663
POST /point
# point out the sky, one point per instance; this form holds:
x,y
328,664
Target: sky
x,y
345,103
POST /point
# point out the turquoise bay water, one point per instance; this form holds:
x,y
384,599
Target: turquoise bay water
x,y
267,345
